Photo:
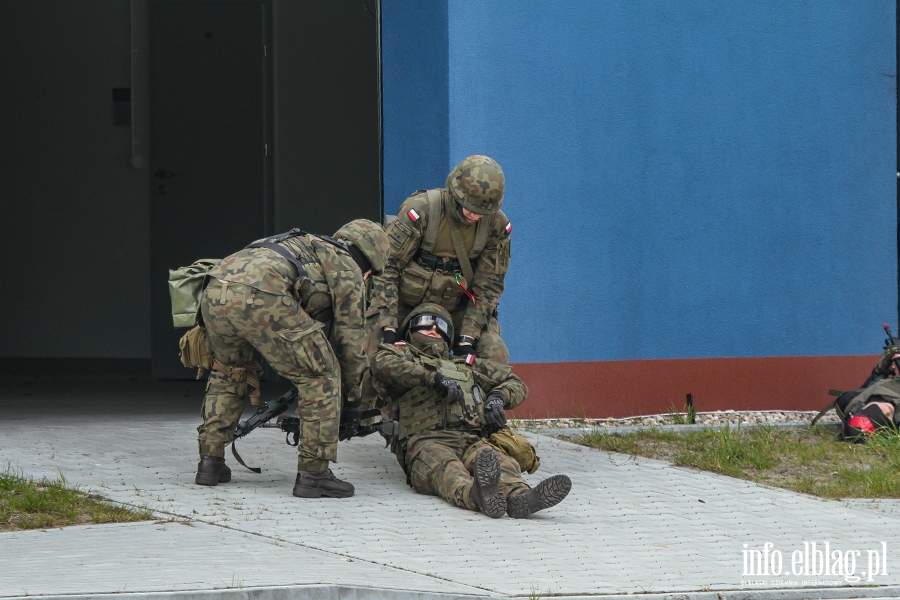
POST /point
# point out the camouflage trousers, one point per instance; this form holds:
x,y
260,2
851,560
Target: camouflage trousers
x,y
488,345
440,463
238,320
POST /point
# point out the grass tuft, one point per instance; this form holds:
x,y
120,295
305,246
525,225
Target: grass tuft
x,y
29,504
812,461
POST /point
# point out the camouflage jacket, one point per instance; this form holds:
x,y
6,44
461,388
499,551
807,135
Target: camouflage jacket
x,y
397,370
405,235
333,290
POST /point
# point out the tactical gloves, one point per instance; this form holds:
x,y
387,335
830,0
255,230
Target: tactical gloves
x,y
447,388
465,346
885,365
388,336
494,414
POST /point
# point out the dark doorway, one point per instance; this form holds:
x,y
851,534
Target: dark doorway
x,y
209,143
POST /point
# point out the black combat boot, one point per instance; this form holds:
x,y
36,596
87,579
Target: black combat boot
x,y
547,493
485,492
322,485
212,470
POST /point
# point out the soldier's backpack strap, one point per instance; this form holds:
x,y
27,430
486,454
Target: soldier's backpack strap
x,y
482,230
271,243
459,246
434,220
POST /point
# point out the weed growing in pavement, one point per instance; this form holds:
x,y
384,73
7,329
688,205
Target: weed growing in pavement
x,y
29,504
812,461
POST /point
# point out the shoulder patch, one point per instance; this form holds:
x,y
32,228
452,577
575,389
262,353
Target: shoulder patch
x,y
400,344
413,215
470,359
509,228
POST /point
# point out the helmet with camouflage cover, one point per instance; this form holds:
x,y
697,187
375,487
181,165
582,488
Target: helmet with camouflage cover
x,y
370,238
429,309
477,184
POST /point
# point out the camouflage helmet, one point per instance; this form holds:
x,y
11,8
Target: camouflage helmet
x,y
426,309
477,184
370,238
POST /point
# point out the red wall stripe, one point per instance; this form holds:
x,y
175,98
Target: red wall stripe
x,y
624,388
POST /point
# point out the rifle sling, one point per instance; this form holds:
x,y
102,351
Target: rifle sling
x,y
459,247
238,458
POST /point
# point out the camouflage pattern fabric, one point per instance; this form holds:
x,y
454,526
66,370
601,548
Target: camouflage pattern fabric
x,y
257,302
406,233
440,463
477,183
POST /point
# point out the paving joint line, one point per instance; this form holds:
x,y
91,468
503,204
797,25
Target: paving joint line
x,y
301,545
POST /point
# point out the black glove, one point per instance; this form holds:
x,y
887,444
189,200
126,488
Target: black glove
x,y
494,414
350,418
447,388
388,336
885,366
464,350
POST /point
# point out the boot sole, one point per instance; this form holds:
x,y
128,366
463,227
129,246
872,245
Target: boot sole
x,y
311,492
547,493
487,478
207,479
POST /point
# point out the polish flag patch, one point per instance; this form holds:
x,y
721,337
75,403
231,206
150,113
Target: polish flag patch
x,y
401,344
470,359
413,215
508,228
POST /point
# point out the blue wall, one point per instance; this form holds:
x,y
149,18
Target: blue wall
x,y
697,179
415,99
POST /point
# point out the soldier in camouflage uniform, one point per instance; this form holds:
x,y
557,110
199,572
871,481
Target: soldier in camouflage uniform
x,y
444,420
451,246
276,296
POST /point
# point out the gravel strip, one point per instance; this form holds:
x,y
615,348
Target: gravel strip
x,y
721,417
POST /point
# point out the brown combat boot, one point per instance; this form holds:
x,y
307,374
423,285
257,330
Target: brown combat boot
x,y
322,485
485,492
547,493
212,470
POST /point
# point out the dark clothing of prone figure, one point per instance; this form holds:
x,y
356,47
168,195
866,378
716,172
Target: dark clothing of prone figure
x,y
443,446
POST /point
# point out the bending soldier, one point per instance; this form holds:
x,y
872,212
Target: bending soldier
x,y
876,405
451,246
275,296
445,416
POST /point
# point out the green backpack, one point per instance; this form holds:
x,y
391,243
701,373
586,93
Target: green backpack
x,y
186,284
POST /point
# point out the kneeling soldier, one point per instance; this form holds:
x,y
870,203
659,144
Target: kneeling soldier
x,y
275,296
445,416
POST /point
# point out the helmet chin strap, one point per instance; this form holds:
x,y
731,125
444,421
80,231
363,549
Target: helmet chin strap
x,y
455,209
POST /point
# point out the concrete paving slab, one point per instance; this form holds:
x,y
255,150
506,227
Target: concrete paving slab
x,y
630,525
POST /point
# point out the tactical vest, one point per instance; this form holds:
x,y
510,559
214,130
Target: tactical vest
x,y
428,278
422,408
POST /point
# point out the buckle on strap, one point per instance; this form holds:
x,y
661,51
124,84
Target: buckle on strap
x,y
249,373
438,263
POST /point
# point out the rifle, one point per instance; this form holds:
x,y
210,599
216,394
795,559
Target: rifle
x,y
291,425
892,341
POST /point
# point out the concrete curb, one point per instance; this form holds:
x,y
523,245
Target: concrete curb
x,y
574,431
290,592
339,592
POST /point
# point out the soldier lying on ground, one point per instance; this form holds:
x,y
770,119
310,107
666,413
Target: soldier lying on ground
x,y
446,408
451,246
874,406
275,296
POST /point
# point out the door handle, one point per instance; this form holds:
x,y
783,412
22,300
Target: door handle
x,y
161,174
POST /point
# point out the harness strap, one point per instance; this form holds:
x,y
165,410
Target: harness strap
x,y
481,235
460,248
249,373
301,272
434,220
